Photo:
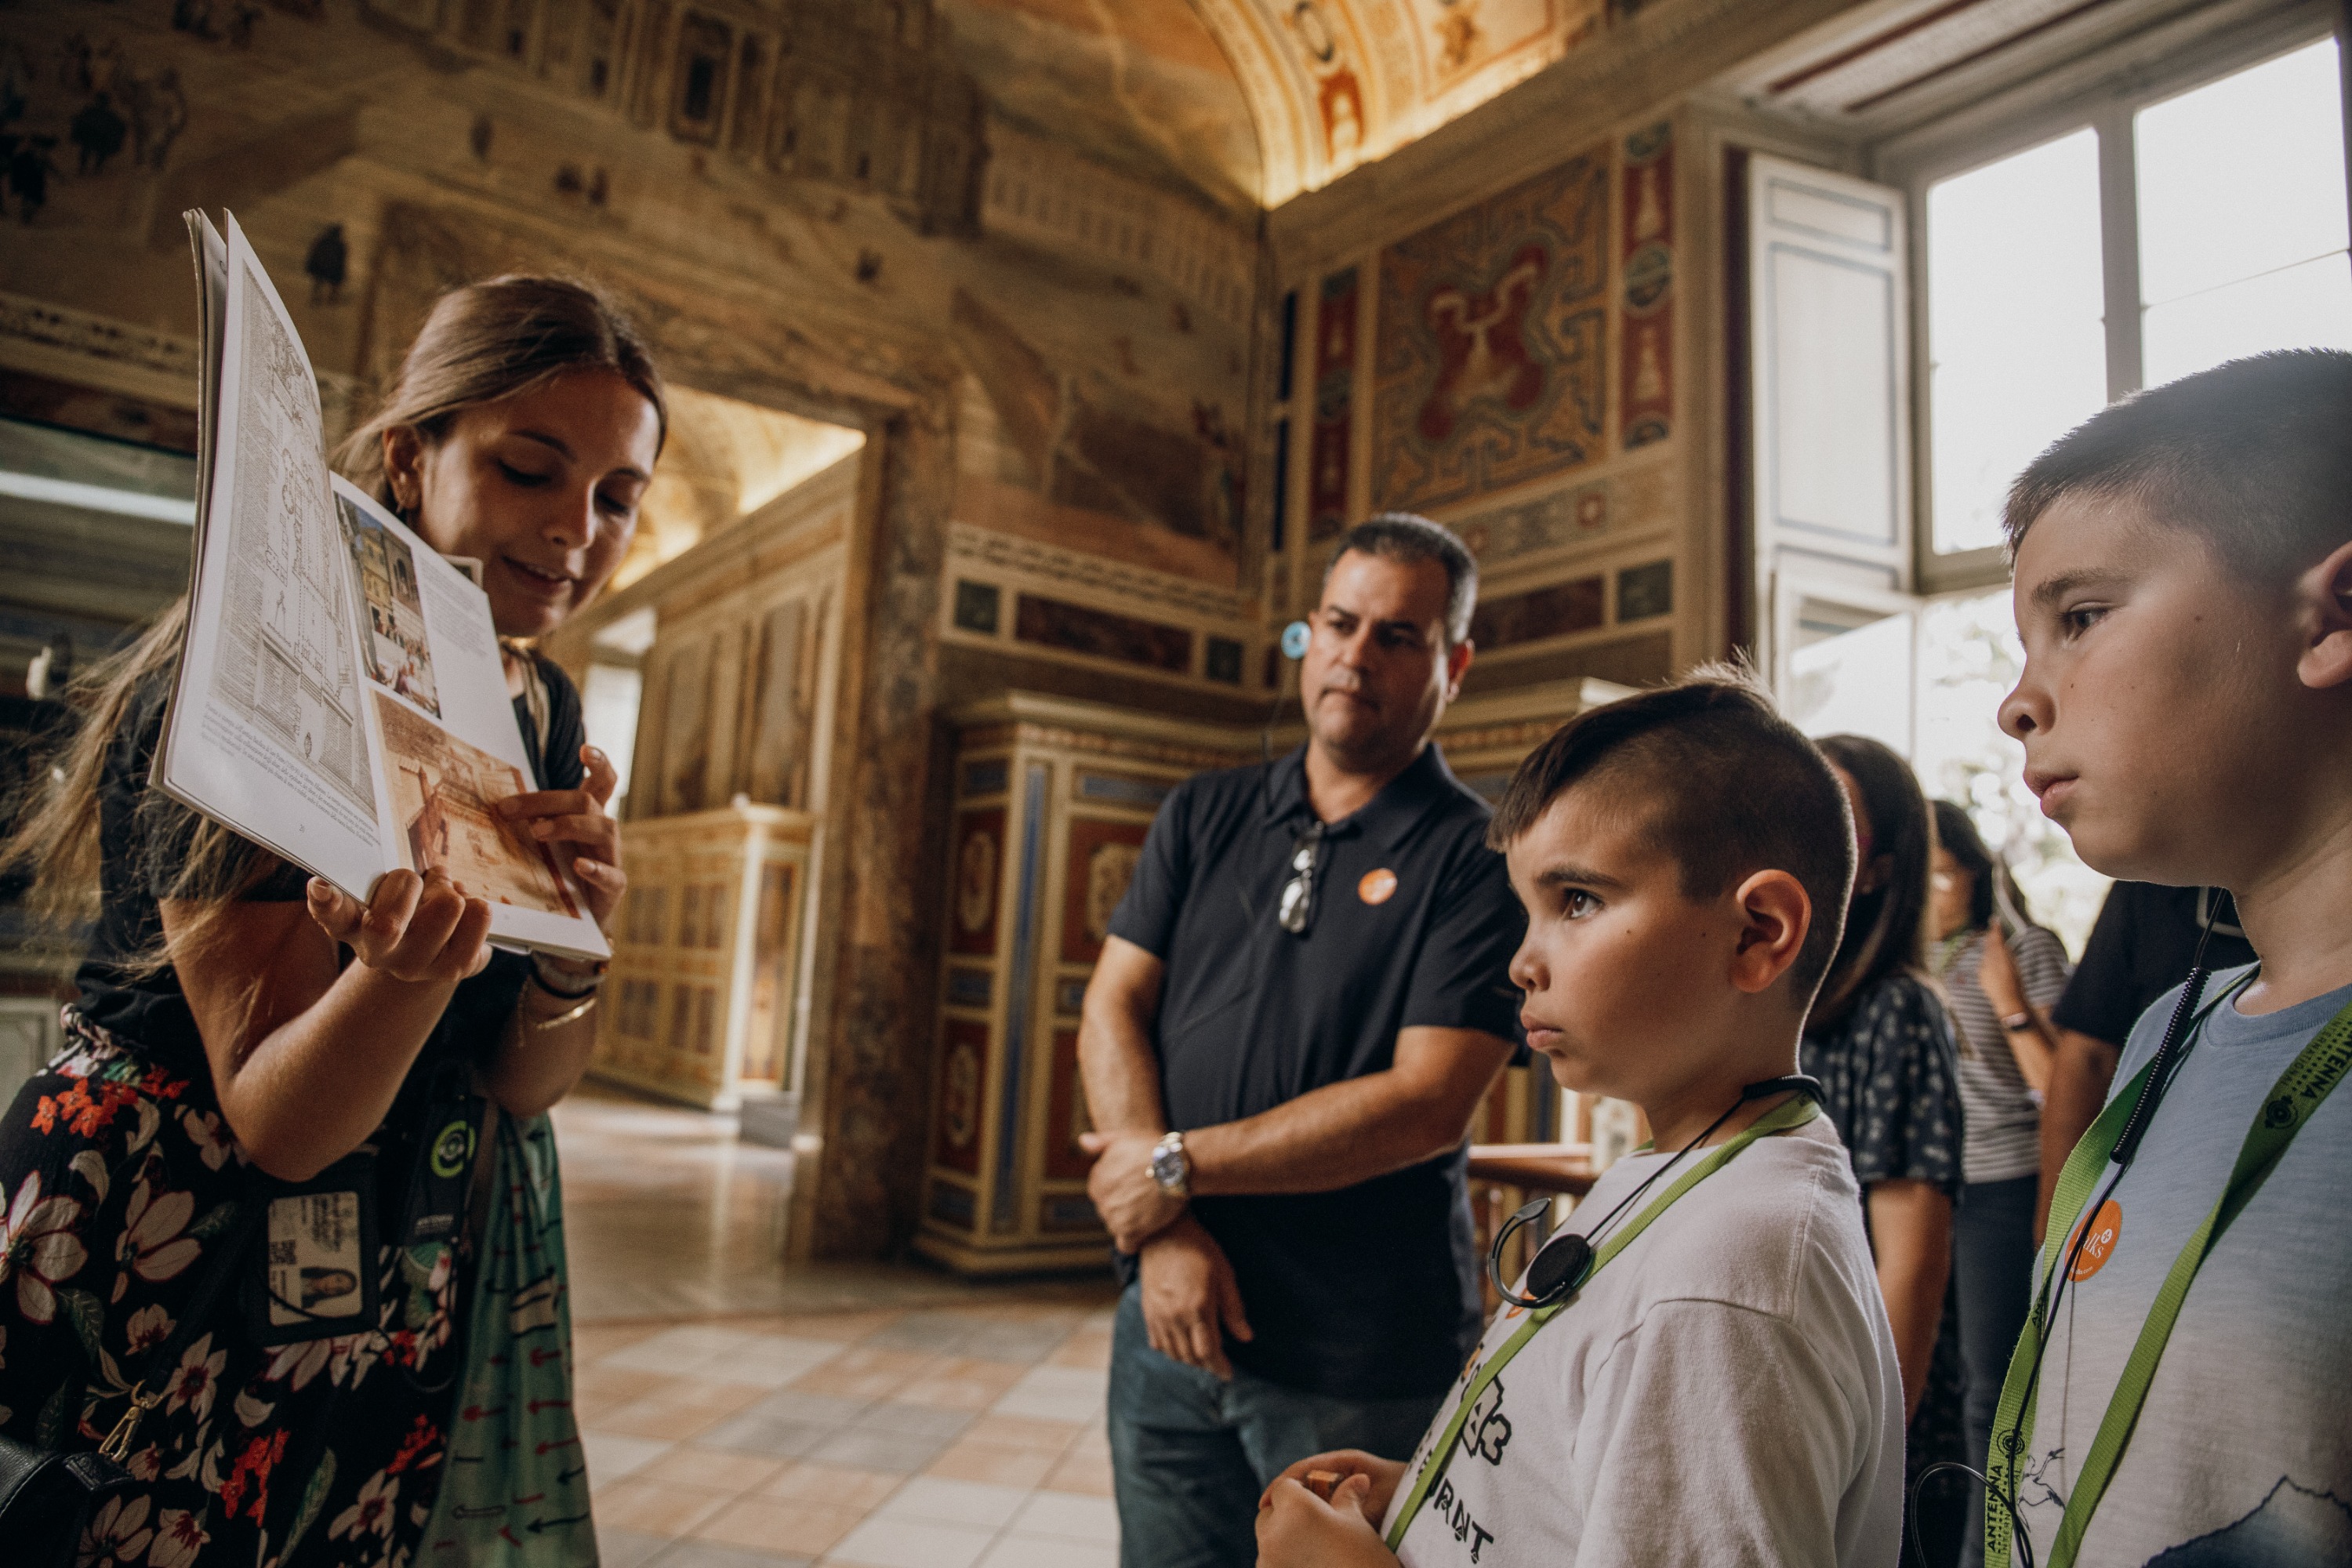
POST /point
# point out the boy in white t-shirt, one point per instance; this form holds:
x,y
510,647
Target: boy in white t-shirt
x,y
1719,1385
2184,592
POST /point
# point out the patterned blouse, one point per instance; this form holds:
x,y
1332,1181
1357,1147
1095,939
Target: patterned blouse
x,y
1892,1081
1891,1075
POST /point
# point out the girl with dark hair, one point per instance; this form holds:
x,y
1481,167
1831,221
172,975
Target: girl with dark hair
x,y
241,1026
2001,984
1881,1042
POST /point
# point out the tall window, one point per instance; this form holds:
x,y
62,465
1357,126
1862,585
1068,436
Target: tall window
x,y
2227,198
2014,307
2242,219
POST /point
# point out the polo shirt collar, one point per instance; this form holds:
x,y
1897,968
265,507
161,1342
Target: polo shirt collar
x,y
1388,816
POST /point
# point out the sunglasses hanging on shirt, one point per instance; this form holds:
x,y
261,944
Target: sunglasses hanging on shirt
x,y
1296,910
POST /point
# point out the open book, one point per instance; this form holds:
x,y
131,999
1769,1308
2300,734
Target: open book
x,y
341,699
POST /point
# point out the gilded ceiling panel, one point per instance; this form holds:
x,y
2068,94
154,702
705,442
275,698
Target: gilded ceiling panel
x,y
1333,84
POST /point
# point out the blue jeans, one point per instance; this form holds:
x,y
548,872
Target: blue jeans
x,y
1190,1454
1992,1276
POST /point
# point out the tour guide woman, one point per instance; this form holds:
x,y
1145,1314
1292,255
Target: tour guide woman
x,y
241,1027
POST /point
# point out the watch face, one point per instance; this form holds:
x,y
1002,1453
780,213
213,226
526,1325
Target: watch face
x,y
1167,1166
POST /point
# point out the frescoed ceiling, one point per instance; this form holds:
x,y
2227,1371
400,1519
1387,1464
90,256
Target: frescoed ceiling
x,y
1335,83
1253,101
1140,85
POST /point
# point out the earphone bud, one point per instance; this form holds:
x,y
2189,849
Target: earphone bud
x,y
1294,639
1560,1265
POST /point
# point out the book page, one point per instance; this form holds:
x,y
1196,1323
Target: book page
x,y
268,733
446,730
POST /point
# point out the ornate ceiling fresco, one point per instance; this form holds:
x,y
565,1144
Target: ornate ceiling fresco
x,y
1254,101
1332,84
1140,84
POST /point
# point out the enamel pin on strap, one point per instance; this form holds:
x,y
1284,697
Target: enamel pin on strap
x,y
1781,1119
2291,1102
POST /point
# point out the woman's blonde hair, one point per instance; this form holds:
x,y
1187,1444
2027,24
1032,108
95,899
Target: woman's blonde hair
x,y
479,344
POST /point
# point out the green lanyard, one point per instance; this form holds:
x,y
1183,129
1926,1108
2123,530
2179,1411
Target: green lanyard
x,y
2290,1104
1794,1113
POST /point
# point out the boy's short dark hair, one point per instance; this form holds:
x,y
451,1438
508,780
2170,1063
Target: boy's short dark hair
x,y
1729,788
1408,537
2254,457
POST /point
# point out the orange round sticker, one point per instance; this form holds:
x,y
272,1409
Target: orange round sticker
x,y
1376,885
2106,1227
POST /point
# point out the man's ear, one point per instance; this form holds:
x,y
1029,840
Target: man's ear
x,y
1457,665
1775,914
2323,605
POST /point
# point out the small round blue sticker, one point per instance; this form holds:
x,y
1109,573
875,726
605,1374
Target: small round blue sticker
x,y
1294,641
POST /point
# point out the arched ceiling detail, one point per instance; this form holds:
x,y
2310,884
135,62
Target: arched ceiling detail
x,y
1253,101
1333,84
1139,85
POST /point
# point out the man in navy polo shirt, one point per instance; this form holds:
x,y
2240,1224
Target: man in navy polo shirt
x,y
1304,996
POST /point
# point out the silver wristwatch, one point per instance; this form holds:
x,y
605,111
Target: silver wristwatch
x,y
1169,1167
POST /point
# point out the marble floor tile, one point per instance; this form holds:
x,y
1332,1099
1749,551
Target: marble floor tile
x,y
1014,1549
900,1451
793,1525
681,1408
770,1435
946,1501
1056,1392
713,1554
1086,1473
1024,1431
612,1456
833,1484
626,1548
912,1420
656,1508
1067,1514
720,1470
971,1461
884,1542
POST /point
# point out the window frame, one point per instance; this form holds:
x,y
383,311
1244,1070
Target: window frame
x,y
2103,91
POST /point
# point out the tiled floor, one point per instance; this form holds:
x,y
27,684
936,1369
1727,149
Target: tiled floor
x,y
938,1438
738,1414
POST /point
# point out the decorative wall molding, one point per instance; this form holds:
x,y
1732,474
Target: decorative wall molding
x,y
970,545
110,355
1046,193
1521,537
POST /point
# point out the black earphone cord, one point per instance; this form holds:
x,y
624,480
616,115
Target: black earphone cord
x,y
1796,1083
2161,1067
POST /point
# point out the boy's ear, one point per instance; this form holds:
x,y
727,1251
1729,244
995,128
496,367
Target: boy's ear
x,y
2325,607
1775,915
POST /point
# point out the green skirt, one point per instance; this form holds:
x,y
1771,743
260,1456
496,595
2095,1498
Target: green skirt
x,y
515,1488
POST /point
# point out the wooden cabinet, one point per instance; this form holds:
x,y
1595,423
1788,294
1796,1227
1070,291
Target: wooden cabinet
x,y
702,1002
1052,801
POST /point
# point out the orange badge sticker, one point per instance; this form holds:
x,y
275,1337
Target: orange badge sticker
x,y
1376,885
2106,1226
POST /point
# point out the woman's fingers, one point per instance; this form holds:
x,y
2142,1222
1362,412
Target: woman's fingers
x,y
538,803
577,828
417,929
338,914
439,907
602,777
390,905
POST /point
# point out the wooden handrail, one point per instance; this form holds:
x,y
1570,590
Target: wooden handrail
x,y
1537,1167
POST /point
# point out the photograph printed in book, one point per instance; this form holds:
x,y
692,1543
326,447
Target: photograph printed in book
x,y
398,653
445,793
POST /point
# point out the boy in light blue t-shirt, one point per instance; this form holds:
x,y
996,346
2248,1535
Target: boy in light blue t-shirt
x,y
2184,591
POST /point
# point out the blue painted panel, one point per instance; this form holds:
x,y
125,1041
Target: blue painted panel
x,y
1020,977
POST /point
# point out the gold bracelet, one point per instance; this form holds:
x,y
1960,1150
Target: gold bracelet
x,y
567,1016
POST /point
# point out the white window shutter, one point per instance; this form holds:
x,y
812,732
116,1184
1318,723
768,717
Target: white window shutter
x,y
1831,402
